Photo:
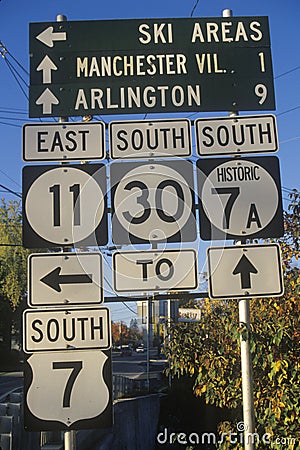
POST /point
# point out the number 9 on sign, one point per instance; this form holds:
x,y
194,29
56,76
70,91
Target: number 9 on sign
x,y
152,202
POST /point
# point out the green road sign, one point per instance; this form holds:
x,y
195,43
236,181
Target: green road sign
x,y
150,65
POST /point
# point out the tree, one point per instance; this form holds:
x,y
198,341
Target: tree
x,y
13,273
209,353
135,332
120,333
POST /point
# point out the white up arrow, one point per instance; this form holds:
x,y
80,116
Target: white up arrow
x,y
47,99
48,36
46,66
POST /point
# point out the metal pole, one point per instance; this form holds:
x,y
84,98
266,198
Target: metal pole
x,y
246,363
69,436
247,382
149,320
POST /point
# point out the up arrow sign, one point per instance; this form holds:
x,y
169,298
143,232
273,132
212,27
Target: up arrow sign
x,y
48,36
244,267
54,279
47,99
46,66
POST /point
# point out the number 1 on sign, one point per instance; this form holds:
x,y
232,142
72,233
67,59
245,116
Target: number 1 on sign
x,y
75,190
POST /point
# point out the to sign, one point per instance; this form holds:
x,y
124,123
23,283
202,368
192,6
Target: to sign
x,y
64,141
64,205
65,279
240,198
152,202
150,66
149,270
235,135
145,139
55,329
68,390
245,271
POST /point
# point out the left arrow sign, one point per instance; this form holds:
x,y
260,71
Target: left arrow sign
x,y
53,279
47,99
244,267
48,36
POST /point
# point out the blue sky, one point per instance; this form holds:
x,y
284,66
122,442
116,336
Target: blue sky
x,y
15,15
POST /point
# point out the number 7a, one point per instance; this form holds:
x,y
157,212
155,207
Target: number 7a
x,y
76,366
234,193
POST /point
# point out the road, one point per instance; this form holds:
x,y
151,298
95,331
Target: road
x,y
135,366
9,382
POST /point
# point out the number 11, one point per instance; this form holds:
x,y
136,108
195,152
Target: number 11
x,y
55,190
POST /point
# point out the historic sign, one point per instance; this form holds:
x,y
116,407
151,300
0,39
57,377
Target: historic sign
x,y
239,198
150,65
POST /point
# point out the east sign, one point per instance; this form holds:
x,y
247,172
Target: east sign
x,y
150,65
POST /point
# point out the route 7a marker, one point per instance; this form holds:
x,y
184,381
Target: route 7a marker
x,y
245,271
239,198
64,141
56,329
65,279
68,390
155,270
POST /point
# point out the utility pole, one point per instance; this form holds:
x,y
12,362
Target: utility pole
x,y
69,436
246,363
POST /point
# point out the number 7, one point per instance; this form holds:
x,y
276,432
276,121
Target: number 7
x,y
76,366
234,193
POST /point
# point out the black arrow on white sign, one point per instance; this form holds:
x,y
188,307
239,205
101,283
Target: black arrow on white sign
x,y
53,279
244,267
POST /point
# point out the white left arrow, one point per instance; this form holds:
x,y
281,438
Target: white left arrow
x,y
46,66
47,99
48,36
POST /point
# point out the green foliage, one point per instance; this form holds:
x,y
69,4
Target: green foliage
x,y
209,352
13,257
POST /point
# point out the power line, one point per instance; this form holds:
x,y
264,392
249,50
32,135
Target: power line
x,y
10,191
194,7
286,73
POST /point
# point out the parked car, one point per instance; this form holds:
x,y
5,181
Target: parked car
x,y
126,351
140,349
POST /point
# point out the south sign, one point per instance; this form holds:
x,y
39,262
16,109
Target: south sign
x,y
54,329
150,65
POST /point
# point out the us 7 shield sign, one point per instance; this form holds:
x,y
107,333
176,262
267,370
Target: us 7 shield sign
x,y
240,198
68,390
